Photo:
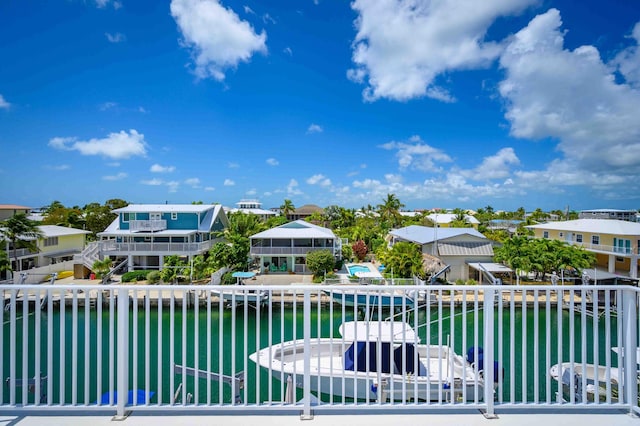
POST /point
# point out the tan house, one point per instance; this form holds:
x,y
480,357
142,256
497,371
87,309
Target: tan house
x,y
614,242
10,210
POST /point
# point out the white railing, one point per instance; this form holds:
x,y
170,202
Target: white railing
x,y
148,225
605,248
189,348
287,250
122,248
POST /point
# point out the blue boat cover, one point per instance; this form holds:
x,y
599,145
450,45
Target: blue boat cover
x,y
355,358
141,394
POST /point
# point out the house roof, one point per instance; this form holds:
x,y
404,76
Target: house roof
x,y
425,235
308,209
296,229
595,226
465,248
13,207
450,217
55,231
166,208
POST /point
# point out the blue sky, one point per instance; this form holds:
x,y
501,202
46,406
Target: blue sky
x,y
443,103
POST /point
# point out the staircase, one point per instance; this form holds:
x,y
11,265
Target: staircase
x,y
89,255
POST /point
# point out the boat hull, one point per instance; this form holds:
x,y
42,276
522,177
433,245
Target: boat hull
x,y
363,299
595,377
447,376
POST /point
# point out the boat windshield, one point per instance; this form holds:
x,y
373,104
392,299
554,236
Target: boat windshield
x,y
363,356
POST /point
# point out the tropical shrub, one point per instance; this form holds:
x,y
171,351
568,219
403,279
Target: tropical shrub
x,y
139,275
359,250
102,267
154,277
320,262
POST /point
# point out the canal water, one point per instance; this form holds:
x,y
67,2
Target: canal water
x,y
209,342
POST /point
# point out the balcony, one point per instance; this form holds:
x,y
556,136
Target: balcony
x,y
83,343
601,248
283,251
148,225
110,247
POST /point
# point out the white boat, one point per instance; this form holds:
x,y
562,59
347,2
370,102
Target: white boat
x,y
385,298
375,360
250,297
587,377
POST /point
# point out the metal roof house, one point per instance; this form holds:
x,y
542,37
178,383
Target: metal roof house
x,y
253,207
145,233
456,247
615,243
285,248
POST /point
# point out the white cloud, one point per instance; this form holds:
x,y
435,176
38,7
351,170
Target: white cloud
x,y
402,46
496,166
115,37
628,60
152,182
113,164
319,179
3,103
118,176
288,51
101,4
157,168
272,162
116,145
314,128
59,167
570,96
217,37
107,105
292,188
248,10
233,165
193,182
173,186
209,188
229,182
268,19
415,154
142,110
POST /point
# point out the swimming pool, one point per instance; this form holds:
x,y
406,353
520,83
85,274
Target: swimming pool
x,y
357,268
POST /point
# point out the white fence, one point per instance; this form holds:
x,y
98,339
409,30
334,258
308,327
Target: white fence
x,y
259,349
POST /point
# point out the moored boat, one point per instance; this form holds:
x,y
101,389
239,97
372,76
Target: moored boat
x,y
376,360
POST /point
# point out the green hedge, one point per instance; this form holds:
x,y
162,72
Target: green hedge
x,y
131,276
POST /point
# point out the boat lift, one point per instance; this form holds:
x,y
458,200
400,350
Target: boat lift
x,y
236,382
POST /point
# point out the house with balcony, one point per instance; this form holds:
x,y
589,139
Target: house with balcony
x,y
614,242
443,220
253,207
284,248
143,234
460,248
53,252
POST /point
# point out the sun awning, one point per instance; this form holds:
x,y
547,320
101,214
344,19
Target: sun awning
x,y
494,268
241,274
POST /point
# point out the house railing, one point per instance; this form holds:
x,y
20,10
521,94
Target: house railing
x,y
188,348
113,247
605,248
148,225
275,251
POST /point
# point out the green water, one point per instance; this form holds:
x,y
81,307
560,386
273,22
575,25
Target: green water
x,y
95,363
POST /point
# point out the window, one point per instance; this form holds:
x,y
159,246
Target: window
x,y
595,240
155,216
578,238
126,217
174,215
545,234
560,234
51,241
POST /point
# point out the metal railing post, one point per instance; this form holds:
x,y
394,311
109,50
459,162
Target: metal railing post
x,y
122,359
488,315
306,325
630,327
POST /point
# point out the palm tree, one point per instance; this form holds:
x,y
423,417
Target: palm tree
x,y
19,228
389,210
287,208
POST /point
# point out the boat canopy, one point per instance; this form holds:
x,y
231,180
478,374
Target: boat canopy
x,y
367,356
382,331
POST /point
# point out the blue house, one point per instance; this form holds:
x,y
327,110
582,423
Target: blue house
x,y
146,233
